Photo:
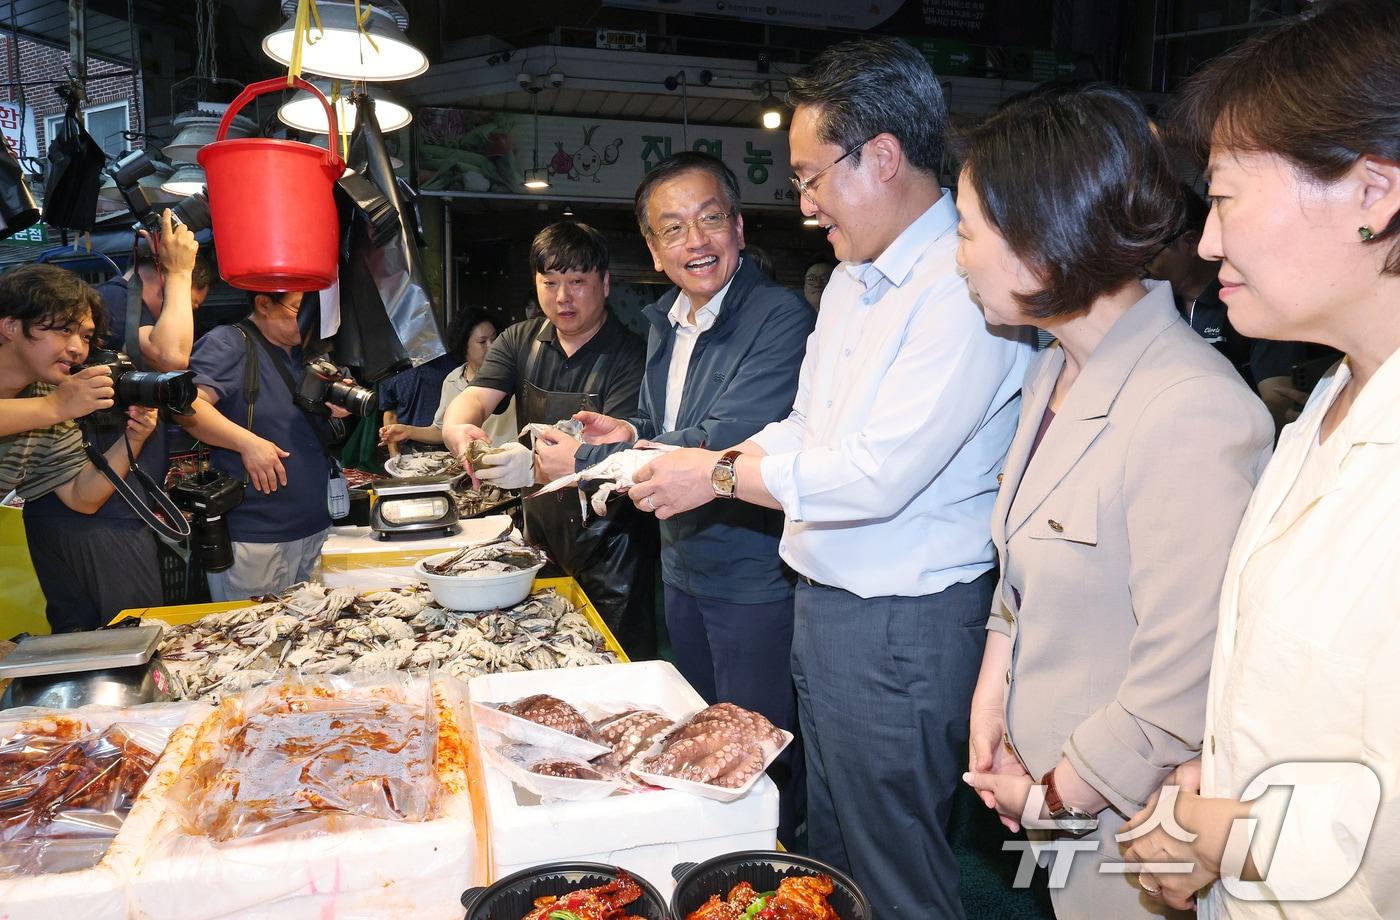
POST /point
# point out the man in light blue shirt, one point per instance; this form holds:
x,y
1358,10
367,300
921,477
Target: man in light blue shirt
x,y
886,472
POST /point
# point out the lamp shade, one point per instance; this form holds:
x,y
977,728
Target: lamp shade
x,y
198,127
341,51
304,112
154,182
187,180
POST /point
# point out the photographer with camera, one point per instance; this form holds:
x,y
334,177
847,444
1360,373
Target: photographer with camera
x,y
48,319
167,284
270,431
171,281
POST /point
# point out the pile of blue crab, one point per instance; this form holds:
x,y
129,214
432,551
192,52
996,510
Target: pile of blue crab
x,y
312,629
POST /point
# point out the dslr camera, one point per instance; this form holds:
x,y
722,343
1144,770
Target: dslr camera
x,y
127,173
172,390
207,497
321,383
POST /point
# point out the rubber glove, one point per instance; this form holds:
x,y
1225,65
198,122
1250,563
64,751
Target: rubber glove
x,y
511,466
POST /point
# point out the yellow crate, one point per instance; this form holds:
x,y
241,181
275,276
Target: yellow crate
x,y
567,587
21,599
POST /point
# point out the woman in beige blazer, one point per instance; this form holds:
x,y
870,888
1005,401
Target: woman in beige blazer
x,y
1136,452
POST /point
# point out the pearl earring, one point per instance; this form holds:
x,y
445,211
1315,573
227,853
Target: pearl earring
x,y
1366,234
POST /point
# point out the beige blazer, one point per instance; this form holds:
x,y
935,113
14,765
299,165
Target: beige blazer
x,y
1116,537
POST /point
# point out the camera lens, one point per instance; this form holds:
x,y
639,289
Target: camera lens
x,y
358,400
210,542
173,390
193,212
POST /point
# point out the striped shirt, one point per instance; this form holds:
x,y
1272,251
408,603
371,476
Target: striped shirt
x,y
37,462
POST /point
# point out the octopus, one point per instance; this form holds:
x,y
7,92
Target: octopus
x,y
800,897
723,745
568,769
603,902
630,734
552,712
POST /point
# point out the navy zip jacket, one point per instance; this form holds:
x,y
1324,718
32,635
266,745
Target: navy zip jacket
x,y
742,375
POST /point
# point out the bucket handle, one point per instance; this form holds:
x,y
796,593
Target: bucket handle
x,y
276,84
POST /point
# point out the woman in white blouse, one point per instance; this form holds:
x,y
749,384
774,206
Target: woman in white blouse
x,y
1303,127
469,335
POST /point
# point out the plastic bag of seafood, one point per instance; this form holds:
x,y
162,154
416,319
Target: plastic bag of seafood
x,y
357,796
75,807
632,707
615,472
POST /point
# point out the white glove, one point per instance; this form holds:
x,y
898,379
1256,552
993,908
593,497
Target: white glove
x,y
511,466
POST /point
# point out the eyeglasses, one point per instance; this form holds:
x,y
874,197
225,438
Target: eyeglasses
x,y
708,224
295,311
805,186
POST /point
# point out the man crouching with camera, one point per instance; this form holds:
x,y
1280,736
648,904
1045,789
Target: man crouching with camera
x,y
48,319
264,435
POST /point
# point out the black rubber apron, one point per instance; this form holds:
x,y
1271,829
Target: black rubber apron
x,y
612,558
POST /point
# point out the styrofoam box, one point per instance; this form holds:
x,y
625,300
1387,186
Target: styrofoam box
x,y
346,868
99,893
645,833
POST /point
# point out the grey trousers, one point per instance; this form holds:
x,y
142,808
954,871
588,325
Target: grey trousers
x,y
883,690
267,568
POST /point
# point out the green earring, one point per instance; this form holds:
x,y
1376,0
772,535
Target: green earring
x,y
1366,234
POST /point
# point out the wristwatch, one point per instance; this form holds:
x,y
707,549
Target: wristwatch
x,y
723,478
1067,820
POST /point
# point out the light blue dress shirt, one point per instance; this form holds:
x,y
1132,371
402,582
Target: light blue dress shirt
x,y
887,467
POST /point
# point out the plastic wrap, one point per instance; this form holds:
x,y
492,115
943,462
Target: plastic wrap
x,y
66,786
551,775
647,834
302,749
345,864
97,892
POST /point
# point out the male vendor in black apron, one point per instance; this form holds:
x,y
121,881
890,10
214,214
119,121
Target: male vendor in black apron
x,y
576,357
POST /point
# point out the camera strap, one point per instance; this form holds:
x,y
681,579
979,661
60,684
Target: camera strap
x,y
178,529
250,332
134,302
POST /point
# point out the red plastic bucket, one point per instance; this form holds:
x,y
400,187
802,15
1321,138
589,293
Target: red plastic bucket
x,y
272,203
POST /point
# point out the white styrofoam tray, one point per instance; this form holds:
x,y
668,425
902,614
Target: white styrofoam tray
x,y
646,833
352,869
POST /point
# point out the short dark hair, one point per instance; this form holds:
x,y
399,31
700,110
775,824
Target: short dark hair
x,y
1196,211
1101,198
875,86
1321,90
49,297
678,164
202,276
459,329
569,246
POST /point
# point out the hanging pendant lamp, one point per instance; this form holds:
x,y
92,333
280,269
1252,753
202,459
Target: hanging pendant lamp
x,y
304,112
377,52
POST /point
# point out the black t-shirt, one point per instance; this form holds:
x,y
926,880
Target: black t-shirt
x,y
1207,315
620,379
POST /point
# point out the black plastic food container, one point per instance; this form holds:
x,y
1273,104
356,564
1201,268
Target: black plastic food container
x,y
514,896
763,869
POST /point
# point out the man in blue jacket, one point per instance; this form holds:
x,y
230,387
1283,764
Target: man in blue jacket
x,y
722,359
